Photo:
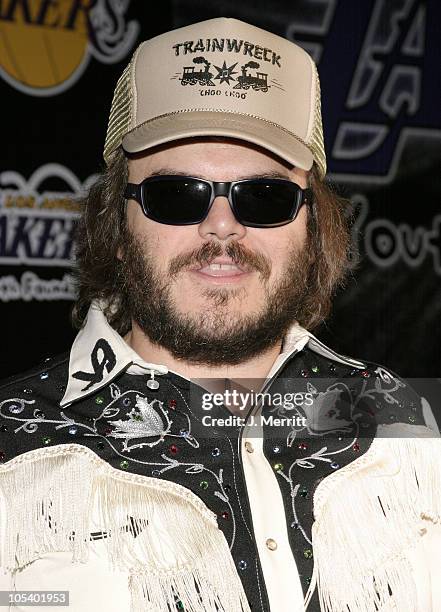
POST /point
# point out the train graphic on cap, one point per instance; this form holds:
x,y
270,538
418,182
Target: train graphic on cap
x,y
257,81
200,74
191,75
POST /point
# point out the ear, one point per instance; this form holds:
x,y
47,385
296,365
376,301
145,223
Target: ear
x,y
119,253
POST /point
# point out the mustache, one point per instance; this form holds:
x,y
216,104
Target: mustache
x,y
204,255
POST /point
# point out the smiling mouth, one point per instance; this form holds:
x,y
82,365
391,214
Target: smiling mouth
x,y
221,270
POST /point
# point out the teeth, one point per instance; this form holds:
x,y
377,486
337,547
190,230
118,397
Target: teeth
x,y
215,266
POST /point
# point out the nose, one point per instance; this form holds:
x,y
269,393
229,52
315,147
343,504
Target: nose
x,y
221,222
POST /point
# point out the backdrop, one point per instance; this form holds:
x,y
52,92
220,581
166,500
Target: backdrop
x,y
379,62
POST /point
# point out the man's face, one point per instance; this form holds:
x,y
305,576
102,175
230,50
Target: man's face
x,y
219,284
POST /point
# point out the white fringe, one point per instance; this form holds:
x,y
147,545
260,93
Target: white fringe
x,y
368,515
59,495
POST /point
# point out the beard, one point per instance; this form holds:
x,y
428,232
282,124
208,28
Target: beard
x,y
217,335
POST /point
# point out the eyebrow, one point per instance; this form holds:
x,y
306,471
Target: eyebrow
x,y
268,174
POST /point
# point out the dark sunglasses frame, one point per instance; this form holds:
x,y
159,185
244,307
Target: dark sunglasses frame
x,y
228,189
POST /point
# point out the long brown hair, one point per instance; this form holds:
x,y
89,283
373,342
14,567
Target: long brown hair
x,y
102,226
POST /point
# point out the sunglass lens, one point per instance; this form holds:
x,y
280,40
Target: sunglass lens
x,y
179,201
261,203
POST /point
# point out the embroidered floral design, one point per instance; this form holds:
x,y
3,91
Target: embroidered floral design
x,y
143,422
331,411
387,378
325,413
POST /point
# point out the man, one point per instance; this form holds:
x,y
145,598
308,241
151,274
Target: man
x,y
207,251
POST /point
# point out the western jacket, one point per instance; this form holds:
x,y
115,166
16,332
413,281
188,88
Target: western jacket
x,y
113,487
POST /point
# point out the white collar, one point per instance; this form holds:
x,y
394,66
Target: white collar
x,y
99,354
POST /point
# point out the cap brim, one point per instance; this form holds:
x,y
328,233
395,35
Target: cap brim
x,y
270,136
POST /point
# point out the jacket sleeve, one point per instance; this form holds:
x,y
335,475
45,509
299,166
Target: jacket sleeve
x,y
429,417
6,579
428,551
385,508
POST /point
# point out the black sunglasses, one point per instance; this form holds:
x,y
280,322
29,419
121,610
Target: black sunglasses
x,y
186,200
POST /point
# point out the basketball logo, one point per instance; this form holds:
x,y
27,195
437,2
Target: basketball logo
x,y
45,46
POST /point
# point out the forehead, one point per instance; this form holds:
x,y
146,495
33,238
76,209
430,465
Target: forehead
x,y
208,156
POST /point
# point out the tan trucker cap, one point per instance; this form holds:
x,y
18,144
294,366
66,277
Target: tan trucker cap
x,y
220,77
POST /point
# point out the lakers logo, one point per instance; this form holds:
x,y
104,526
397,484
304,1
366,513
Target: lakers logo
x,y
46,45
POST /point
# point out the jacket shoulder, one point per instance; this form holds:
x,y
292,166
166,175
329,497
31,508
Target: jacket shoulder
x,y
395,387
27,400
53,369
389,398
410,401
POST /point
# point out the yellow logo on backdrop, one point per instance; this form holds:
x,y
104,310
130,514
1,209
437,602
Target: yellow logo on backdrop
x,y
46,45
